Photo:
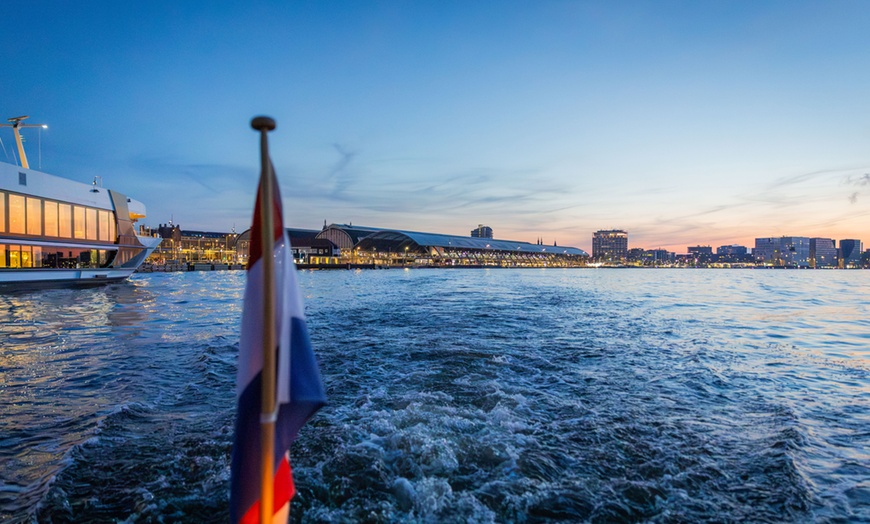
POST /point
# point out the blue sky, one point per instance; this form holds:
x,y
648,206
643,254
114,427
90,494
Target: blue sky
x,y
682,122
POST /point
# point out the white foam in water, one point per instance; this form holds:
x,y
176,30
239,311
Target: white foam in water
x,y
527,396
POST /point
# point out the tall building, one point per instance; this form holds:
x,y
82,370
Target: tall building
x,y
482,231
610,245
795,251
783,251
767,251
823,252
850,253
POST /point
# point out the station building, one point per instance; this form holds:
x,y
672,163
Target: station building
x,y
305,245
378,247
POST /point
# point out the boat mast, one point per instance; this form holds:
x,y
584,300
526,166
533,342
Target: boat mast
x,y
16,125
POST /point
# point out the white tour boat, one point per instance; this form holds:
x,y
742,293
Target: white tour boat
x,y
55,231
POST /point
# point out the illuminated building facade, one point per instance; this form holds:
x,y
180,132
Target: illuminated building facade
x,y
700,254
766,251
783,251
732,250
482,231
823,253
850,253
795,251
194,246
346,245
610,245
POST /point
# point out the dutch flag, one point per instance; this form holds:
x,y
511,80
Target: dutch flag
x,y
299,392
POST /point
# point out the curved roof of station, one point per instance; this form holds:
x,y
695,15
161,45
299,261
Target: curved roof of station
x,y
402,239
292,233
356,233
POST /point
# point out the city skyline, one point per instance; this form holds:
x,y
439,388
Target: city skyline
x,y
681,123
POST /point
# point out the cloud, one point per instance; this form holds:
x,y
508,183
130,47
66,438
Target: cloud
x,y
798,179
854,198
860,181
340,175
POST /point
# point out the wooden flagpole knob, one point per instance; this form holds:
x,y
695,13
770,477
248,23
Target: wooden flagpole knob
x,y
263,123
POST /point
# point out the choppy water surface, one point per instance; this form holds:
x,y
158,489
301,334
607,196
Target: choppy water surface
x,y
455,395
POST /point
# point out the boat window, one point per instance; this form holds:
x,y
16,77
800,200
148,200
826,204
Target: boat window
x,y
34,216
50,222
69,257
91,222
37,256
22,179
2,212
78,222
26,259
64,220
16,214
14,256
104,225
113,234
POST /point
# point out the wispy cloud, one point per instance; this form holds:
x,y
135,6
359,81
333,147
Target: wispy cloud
x,y
857,180
341,175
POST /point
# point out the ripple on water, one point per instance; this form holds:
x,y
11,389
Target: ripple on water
x,y
478,396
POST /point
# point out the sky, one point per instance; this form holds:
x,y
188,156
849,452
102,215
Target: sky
x,y
683,123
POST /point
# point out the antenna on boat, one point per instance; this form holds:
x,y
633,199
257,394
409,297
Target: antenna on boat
x,y
16,125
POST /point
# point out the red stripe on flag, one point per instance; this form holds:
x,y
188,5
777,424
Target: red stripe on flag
x,y
284,490
256,247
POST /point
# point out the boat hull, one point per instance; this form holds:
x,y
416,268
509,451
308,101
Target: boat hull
x,y
11,280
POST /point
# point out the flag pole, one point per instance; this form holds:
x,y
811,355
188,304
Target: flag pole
x,y
268,413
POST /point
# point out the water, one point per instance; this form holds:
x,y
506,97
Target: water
x,y
455,396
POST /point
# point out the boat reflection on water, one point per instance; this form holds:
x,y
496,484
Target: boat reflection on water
x,y
62,353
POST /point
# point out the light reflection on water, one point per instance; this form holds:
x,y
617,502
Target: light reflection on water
x,y
477,395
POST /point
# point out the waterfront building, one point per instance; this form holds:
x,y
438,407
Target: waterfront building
x,y
650,257
194,246
344,244
700,254
823,253
315,251
610,245
396,247
305,245
658,257
850,253
795,251
635,255
482,231
732,250
346,236
783,251
733,254
766,251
